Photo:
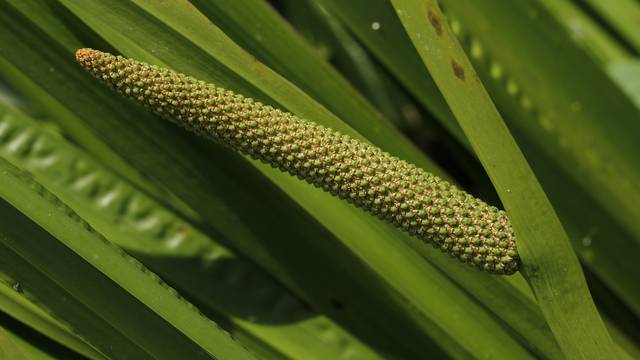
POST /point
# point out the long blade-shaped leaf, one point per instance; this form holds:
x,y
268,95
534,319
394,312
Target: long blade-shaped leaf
x,y
598,232
101,277
556,105
34,344
10,347
623,16
586,32
602,243
255,305
549,262
83,133
14,303
393,48
260,30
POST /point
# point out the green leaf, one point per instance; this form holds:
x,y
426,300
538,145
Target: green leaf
x,y
556,106
333,41
82,133
622,16
255,26
223,285
34,344
393,49
608,250
549,263
111,283
19,307
585,31
626,73
598,237
553,113
9,348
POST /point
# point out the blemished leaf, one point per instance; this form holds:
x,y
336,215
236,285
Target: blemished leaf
x,y
603,235
567,125
604,245
549,263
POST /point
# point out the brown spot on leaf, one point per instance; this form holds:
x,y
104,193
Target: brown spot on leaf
x,y
458,71
435,22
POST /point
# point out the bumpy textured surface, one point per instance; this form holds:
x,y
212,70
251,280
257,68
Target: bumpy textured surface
x,y
396,191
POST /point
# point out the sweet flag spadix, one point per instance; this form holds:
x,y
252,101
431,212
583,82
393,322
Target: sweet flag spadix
x,y
410,198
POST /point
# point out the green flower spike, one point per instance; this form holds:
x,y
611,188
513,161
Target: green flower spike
x,y
394,190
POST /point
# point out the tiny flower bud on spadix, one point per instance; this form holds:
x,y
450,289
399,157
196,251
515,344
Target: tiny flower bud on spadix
x,y
412,199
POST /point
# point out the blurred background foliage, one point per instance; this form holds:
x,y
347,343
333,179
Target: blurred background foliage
x,y
122,236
